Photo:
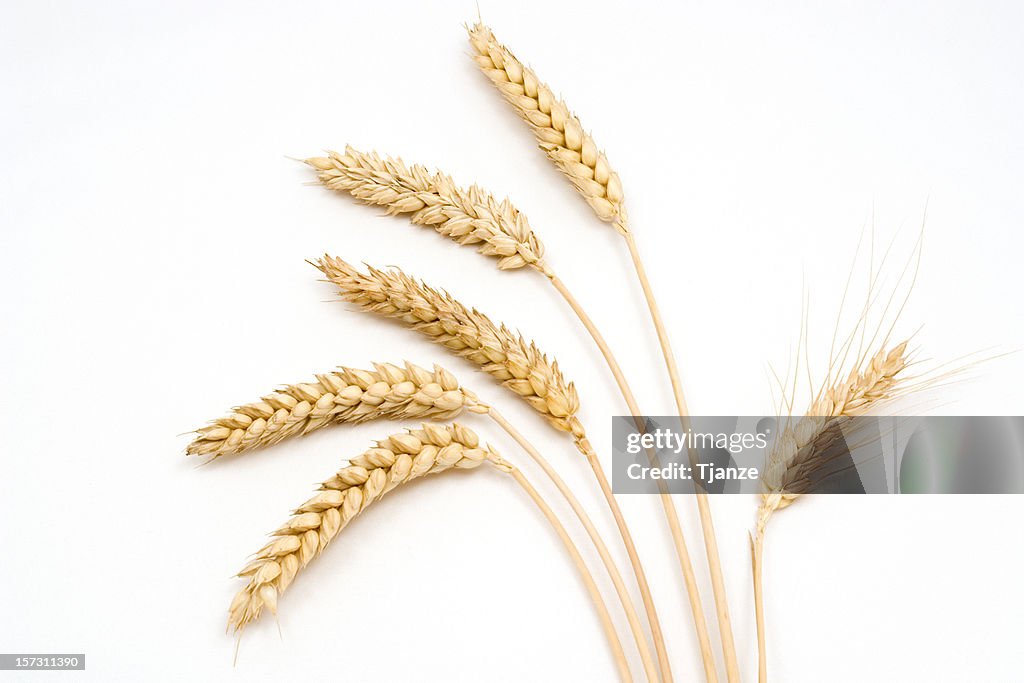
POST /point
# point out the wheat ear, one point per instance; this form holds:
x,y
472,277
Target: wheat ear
x,y
575,153
347,395
396,460
558,131
499,352
469,216
504,355
797,453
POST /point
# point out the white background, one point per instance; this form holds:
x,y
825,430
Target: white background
x,y
153,244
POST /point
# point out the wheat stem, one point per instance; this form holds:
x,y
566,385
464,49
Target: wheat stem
x,y
659,325
703,506
668,506
588,579
757,560
602,345
613,572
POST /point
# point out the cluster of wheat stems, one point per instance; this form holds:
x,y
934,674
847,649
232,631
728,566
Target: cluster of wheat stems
x,y
472,216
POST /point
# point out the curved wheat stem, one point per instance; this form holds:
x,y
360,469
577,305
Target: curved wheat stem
x,y
595,537
797,453
588,579
575,153
506,356
347,395
396,460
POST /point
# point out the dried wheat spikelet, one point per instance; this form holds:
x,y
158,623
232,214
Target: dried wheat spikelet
x,y
396,460
499,352
347,395
793,458
558,131
469,216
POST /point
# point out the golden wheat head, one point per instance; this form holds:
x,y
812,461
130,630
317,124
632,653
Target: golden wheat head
x,y
468,216
501,353
347,395
395,460
558,131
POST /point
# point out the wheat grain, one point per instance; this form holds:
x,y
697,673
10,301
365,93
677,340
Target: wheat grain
x,y
558,131
499,352
396,460
469,216
347,395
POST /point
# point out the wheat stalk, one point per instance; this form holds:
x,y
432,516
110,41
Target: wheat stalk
x,y
575,153
394,461
798,452
558,131
347,395
469,216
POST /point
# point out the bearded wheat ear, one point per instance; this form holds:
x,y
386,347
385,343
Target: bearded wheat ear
x,y
577,156
798,452
499,352
347,395
396,460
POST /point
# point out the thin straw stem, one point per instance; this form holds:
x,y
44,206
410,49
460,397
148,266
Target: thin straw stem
x,y
588,579
671,516
703,507
757,562
613,571
659,325
602,345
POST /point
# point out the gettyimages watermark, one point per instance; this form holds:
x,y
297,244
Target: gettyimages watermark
x,y
752,454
